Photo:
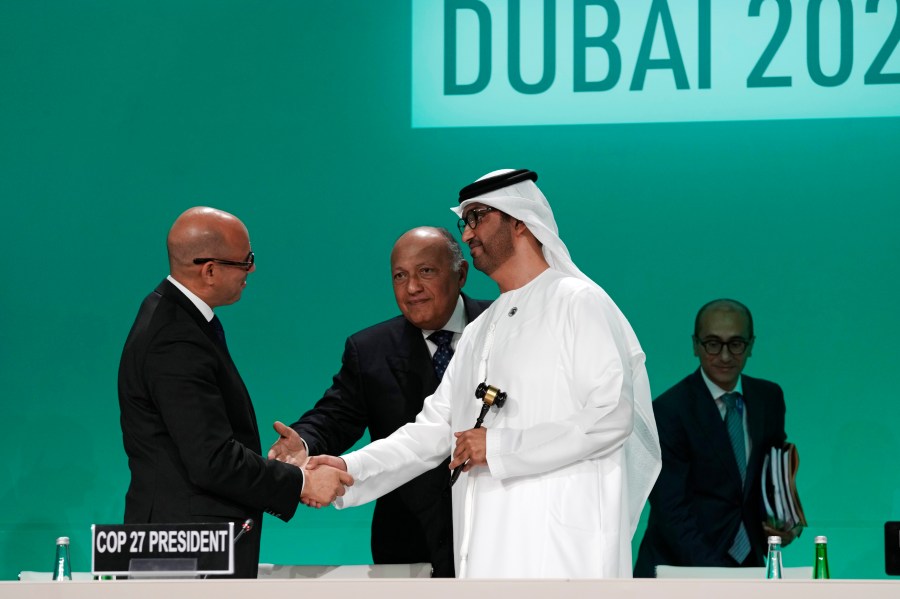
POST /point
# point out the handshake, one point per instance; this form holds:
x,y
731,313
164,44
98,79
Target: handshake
x,y
325,477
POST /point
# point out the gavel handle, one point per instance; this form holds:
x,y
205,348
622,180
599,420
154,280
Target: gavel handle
x,y
458,470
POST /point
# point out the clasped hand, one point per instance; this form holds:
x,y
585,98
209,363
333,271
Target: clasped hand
x,y
471,449
324,480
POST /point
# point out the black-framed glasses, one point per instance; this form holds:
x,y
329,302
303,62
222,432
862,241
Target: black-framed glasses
x,y
246,265
472,218
736,346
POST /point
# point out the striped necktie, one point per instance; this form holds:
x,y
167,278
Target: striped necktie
x,y
734,422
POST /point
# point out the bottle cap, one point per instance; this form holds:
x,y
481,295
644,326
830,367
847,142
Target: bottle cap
x,y
821,539
774,539
62,541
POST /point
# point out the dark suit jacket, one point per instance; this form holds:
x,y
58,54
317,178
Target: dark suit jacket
x,y
698,502
385,376
190,432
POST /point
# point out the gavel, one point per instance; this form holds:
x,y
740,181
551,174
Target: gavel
x,y
491,396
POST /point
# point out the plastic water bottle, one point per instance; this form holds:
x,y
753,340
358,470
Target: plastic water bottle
x,y
63,569
820,567
773,558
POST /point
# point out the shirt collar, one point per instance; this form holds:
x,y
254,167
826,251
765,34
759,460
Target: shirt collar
x,y
716,391
205,310
457,321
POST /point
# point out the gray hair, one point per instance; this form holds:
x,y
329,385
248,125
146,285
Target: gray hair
x,y
456,255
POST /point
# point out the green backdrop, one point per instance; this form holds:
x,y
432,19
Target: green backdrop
x,y
294,115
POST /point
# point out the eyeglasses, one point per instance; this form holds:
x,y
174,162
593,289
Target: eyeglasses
x,y
472,218
713,347
246,265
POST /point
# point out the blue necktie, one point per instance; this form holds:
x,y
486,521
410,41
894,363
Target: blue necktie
x,y
441,357
734,422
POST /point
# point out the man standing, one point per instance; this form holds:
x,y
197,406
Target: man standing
x,y
555,481
387,371
715,426
187,421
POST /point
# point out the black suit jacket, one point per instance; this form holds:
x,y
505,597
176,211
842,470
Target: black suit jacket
x,y
386,374
190,431
698,501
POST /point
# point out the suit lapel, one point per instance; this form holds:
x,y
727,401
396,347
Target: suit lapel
x,y
411,366
167,289
755,424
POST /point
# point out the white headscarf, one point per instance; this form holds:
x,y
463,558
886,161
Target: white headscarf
x,y
525,202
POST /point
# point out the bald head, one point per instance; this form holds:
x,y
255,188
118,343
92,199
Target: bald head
x,y
200,232
203,232
724,305
428,272
433,235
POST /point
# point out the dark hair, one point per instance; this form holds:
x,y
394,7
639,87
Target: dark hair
x,y
725,302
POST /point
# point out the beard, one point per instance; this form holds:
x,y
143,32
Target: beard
x,y
494,251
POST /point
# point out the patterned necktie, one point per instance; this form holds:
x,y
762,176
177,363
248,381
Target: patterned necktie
x,y
734,422
220,332
444,351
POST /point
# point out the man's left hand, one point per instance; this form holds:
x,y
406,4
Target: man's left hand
x,y
289,447
471,449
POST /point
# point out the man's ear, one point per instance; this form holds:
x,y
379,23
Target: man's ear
x,y
207,273
463,273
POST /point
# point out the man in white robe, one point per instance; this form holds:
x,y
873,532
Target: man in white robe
x,y
554,483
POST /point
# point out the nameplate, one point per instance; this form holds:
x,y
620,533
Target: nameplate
x,y
163,549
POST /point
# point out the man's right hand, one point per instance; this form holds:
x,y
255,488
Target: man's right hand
x,y
323,482
289,447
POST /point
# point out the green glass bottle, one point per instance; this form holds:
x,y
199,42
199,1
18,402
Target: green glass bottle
x,y
62,570
773,559
820,568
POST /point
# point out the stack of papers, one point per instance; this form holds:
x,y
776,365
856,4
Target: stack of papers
x,y
779,483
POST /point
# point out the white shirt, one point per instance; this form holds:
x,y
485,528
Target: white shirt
x,y
456,324
201,305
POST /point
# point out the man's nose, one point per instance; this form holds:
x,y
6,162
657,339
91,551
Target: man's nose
x,y
467,234
413,285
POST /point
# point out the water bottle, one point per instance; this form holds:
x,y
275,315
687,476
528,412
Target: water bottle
x,y
820,567
63,569
773,558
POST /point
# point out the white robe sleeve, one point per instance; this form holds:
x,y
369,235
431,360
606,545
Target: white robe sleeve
x,y
593,345
412,449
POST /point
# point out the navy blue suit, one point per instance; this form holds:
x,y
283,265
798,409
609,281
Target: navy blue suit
x,y
698,501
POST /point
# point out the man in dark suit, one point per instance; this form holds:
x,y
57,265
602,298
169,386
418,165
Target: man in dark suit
x,y
713,425
188,425
387,371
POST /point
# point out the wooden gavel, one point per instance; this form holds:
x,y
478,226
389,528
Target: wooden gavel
x,y
491,396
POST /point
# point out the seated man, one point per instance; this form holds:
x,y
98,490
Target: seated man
x,y
715,428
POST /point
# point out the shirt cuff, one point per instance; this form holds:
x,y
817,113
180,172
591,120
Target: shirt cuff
x,y
493,449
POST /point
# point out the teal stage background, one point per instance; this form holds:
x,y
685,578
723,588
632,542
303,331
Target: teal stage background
x,y
117,116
